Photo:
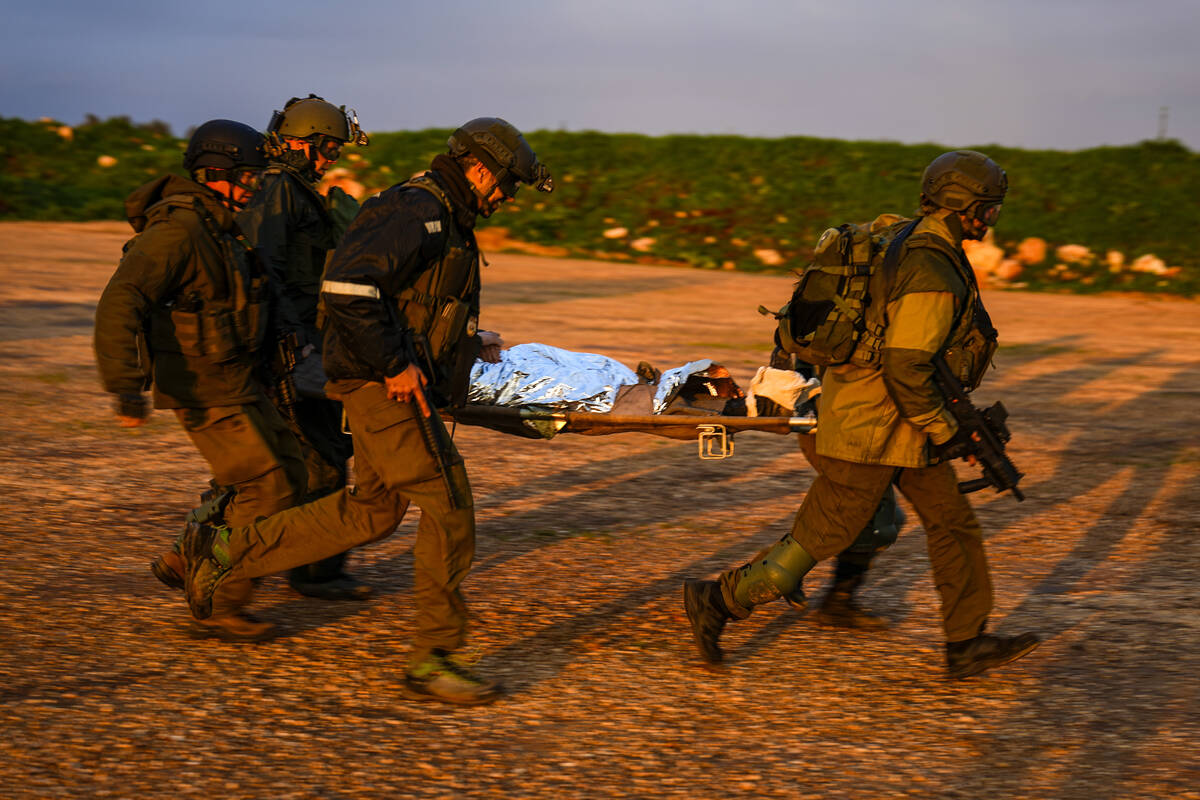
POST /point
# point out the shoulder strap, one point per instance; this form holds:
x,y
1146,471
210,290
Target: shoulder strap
x,y
424,181
891,258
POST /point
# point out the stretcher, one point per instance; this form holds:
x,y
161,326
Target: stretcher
x,y
539,392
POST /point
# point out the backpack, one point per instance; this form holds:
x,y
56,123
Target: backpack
x,y
830,319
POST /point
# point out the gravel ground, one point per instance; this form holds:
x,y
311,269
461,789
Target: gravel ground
x,y
583,545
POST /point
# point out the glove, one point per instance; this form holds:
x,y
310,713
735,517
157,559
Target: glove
x,y
960,445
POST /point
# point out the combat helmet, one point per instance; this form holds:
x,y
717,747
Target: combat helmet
x,y
503,150
327,126
961,179
224,150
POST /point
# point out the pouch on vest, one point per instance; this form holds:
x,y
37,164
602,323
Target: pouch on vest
x,y
448,327
830,319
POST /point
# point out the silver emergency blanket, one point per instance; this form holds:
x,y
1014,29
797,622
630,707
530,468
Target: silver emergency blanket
x,y
672,379
549,377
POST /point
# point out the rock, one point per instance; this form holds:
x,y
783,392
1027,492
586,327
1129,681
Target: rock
x,y
1115,260
616,233
984,256
66,132
1149,263
344,180
106,161
1009,269
1031,251
643,244
1074,254
769,257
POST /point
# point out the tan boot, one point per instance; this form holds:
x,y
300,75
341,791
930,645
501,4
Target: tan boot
x,y
169,568
444,677
238,626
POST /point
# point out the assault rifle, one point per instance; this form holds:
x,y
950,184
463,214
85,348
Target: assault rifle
x,y
986,431
285,381
437,441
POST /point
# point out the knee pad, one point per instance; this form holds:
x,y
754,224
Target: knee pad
x,y
773,574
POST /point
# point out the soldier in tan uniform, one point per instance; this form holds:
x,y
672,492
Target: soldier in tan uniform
x,y
889,424
187,312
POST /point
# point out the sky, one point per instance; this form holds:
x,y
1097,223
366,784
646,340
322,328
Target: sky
x,y
1053,74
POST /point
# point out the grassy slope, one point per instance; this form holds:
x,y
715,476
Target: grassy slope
x,y
710,201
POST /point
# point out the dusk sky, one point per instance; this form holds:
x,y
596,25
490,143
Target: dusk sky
x,y
1064,74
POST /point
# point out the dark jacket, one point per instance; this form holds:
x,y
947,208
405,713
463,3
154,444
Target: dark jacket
x,y
186,308
394,241
292,228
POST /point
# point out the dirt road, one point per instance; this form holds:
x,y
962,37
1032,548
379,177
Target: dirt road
x,y
583,545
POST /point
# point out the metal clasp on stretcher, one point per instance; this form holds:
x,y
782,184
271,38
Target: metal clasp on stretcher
x,y
713,442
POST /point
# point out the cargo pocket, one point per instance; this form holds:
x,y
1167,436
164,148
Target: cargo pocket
x,y
393,441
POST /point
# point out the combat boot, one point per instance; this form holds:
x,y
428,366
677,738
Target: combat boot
x,y
443,677
169,568
342,587
839,608
973,656
328,580
708,614
205,571
236,627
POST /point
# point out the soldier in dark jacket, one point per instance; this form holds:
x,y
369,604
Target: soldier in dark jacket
x,y
401,296
292,226
187,312
889,424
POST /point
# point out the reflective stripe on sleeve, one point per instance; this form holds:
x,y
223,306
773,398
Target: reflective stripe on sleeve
x,y
356,289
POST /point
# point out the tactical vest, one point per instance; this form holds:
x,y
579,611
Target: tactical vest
x,y
973,340
223,320
438,308
838,311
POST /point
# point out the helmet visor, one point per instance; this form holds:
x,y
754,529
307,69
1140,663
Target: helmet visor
x,y
989,214
248,179
510,185
330,148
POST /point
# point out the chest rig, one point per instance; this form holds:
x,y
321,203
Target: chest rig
x,y
222,316
440,308
973,339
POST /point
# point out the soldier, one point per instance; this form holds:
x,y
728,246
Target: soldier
x,y
292,226
401,297
838,606
890,425
186,311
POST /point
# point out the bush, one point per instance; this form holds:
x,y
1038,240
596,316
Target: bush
x,y
709,201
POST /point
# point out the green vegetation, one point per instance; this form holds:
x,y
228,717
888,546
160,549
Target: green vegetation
x,y
707,201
